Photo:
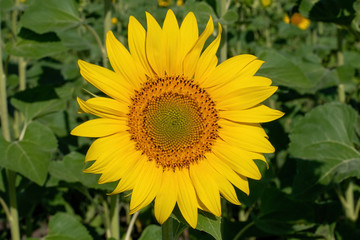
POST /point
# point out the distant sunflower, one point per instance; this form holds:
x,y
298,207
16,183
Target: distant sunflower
x,y
177,128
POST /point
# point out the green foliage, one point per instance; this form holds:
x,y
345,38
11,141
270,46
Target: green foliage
x,y
331,156
311,189
32,154
51,16
63,226
151,232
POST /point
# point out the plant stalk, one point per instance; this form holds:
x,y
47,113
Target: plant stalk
x,y
114,216
14,218
131,225
167,229
223,47
98,41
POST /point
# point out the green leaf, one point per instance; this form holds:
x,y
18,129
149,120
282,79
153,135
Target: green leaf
x,y
209,224
33,49
202,11
51,15
336,11
6,5
30,156
70,170
283,72
326,139
151,232
231,16
206,222
39,101
63,226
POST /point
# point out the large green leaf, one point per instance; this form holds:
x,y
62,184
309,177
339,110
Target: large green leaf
x,y
325,139
31,155
33,49
151,232
206,222
283,72
6,5
70,170
209,224
51,15
39,101
63,226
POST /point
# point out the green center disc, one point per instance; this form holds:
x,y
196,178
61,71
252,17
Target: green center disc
x,y
173,122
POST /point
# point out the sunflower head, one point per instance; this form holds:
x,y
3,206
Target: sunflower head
x,y
176,126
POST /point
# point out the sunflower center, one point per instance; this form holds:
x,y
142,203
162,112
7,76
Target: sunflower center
x,y
173,121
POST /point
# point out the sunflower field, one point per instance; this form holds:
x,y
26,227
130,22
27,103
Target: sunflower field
x,y
179,119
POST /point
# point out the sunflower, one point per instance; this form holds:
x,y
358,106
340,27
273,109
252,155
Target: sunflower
x,y
176,127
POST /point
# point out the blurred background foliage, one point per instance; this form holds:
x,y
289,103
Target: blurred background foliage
x,y
311,49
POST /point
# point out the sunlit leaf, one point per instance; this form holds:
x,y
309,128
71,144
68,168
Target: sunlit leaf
x,y
30,156
51,15
33,49
63,226
70,170
38,101
151,232
325,139
209,224
283,72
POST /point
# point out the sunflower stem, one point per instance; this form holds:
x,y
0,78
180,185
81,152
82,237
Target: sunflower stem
x,y
167,229
347,200
114,216
98,41
14,218
131,225
340,62
223,48
107,22
106,218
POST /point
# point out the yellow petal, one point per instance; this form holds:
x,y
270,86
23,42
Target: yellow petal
x,y
225,187
189,34
166,199
100,127
186,197
171,35
146,187
235,80
110,155
205,187
229,70
155,46
225,170
257,114
107,81
192,57
239,160
122,62
250,136
105,144
129,178
244,98
208,59
136,38
122,161
257,81
104,107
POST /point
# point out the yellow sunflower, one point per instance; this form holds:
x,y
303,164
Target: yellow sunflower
x,y
176,127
